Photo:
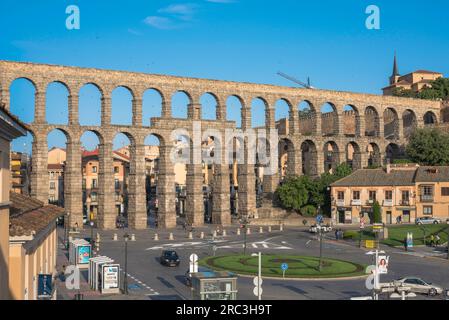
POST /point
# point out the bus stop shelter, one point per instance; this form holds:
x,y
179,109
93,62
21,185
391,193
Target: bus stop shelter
x,y
214,286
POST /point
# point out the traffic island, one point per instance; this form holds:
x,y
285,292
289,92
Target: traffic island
x,y
299,267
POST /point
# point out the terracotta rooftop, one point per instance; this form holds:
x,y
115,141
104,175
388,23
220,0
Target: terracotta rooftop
x,y
16,119
29,216
426,71
432,174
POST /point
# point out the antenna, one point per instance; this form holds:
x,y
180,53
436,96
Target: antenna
x,y
302,84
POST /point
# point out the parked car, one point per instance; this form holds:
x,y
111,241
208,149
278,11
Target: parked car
x,y
418,285
170,258
316,229
427,220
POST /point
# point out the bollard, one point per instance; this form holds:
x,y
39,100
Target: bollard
x,y
114,238
224,233
248,231
202,235
133,237
281,228
270,229
156,237
190,235
239,232
171,237
261,230
98,238
214,234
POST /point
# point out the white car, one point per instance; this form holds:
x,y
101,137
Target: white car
x,y
420,286
427,220
316,229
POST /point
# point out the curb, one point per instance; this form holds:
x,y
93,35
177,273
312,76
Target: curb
x,y
307,279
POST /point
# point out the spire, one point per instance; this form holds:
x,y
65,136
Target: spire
x,y
395,66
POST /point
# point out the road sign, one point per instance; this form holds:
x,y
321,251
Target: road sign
x,y
284,267
258,291
319,219
257,281
193,258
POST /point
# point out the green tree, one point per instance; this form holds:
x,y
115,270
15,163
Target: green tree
x,y
377,213
429,147
404,93
439,89
293,194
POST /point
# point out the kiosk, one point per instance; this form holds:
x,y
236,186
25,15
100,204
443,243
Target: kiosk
x,y
104,275
214,286
80,252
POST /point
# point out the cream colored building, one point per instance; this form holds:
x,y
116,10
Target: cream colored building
x,y
10,128
32,246
414,81
406,192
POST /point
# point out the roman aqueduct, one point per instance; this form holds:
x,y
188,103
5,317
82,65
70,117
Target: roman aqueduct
x,y
361,128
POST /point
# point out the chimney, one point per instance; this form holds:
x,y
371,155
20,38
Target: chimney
x,y
388,169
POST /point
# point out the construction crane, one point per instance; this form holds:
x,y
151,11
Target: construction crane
x,y
305,85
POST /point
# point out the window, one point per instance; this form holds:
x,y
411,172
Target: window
x,y
117,183
116,169
388,195
94,170
427,193
117,196
52,175
94,183
93,196
405,198
52,199
372,195
428,211
341,195
356,195
52,186
445,192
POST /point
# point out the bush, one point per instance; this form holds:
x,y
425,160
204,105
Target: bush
x,y
309,211
351,234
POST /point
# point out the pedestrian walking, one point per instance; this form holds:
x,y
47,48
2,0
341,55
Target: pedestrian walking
x,y
432,240
437,240
337,234
406,244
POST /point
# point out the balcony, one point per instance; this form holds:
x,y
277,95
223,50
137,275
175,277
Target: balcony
x,y
340,203
370,202
427,198
388,203
356,202
405,203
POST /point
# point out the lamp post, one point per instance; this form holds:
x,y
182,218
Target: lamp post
x,y
244,222
67,229
321,242
125,276
91,235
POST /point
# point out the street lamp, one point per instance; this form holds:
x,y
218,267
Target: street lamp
x,y
67,229
125,277
320,267
244,222
91,235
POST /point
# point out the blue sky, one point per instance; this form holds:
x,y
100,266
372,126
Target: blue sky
x,y
241,40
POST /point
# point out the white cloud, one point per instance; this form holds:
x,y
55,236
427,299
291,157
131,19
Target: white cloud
x,y
160,22
220,1
183,11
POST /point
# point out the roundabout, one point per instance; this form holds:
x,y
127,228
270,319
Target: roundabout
x,y
299,267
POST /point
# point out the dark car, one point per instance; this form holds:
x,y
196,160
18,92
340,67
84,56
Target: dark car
x,y
170,258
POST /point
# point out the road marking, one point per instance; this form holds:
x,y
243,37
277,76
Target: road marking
x,y
142,284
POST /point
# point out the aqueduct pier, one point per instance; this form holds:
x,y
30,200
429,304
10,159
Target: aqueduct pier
x,y
314,142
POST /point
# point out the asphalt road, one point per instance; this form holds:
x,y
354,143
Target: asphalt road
x,y
149,279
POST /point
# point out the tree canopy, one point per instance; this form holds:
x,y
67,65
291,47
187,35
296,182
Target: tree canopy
x,y
438,89
429,147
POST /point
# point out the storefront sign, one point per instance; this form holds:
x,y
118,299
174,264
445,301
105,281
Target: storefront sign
x,y
45,286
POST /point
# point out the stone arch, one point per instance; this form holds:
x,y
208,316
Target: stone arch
x,y
258,112
283,116
22,93
309,158
430,118
234,102
331,156
409,122
90,104
287,157
393,152
209,106
353,155
153,101
351,121
374,155
391,124
307,118
181,101
372,122
57,103
122,106
329,119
